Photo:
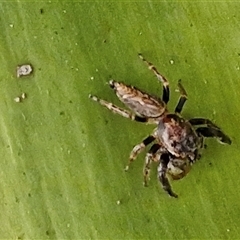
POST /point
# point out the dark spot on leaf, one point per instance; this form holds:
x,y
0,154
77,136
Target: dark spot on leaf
x,y
24,174
104,41
191,25
51,233
210,164
20,237
17,199
70,101
56,32
29,195
62,113
41,10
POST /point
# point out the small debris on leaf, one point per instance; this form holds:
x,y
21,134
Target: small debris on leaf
x,y
17,99
23,96
24,70
20,98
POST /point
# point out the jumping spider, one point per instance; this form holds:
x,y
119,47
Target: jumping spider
x,y
177,141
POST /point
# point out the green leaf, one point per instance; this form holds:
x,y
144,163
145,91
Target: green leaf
x,y
62,155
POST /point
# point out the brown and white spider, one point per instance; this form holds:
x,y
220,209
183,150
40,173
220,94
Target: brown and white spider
x,y
177,140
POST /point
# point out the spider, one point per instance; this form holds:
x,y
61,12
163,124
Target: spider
x,y
178,141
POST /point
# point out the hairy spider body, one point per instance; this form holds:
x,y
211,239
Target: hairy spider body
x,y
145,106
179,137
177,141
178,168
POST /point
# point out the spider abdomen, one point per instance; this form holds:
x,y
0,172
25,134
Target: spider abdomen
x,y
143,104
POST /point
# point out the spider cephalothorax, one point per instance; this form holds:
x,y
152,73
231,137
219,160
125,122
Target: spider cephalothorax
x,y
178,136
177,141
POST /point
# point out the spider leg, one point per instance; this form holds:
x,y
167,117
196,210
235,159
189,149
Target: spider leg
x,y
140,147
115,109
152,155
182,99
160,77
214,132
203,121
162,175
